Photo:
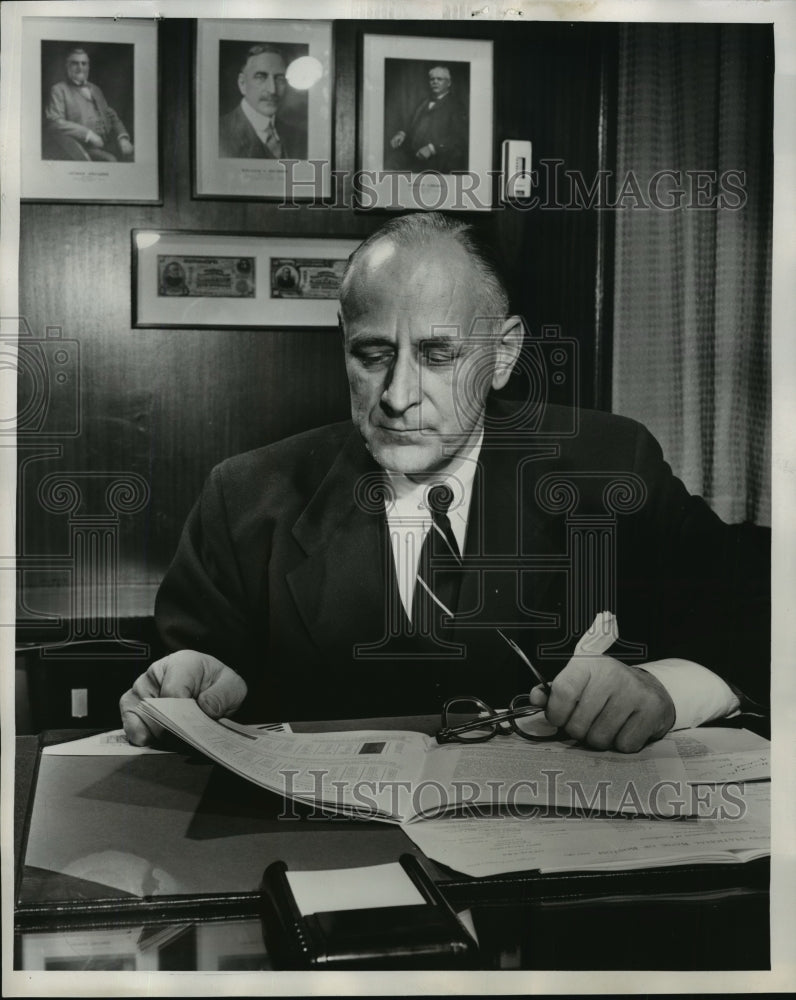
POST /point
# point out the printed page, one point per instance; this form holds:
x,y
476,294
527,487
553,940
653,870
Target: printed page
x,y
715,755
352,771
513,770
738,829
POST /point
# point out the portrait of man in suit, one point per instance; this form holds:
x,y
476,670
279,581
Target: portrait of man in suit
x,y
258,126
79,122
433,132
399,545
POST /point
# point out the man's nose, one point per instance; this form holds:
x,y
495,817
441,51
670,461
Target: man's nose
x,y
402,389
269,85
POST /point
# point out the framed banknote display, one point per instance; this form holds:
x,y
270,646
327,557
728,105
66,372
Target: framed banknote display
x,y
193,279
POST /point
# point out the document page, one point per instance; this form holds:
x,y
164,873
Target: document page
x,y
513,770
738,830
719,754
347,771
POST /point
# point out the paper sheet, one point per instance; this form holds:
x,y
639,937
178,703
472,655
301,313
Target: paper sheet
x,y
516,771
343,770
112,744
491,846
353,888
718,754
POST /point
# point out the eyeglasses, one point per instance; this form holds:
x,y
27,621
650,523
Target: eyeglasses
x,y
466,719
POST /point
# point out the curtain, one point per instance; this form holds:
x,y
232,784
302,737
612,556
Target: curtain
x,y
692,313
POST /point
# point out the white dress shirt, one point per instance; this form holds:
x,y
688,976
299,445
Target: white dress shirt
x,y
409,518
263,125
698,694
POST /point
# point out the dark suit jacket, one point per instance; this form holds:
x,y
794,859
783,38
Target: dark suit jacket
x,y
283,565
237,138
445,125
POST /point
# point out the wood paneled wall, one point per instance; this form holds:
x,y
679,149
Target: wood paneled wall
x,y
169,404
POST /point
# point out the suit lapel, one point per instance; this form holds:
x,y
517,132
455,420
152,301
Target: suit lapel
x,y
507,535
339,588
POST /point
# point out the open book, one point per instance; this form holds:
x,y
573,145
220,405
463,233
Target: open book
x,y
401,777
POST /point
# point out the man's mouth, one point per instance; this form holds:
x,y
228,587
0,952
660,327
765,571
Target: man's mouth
x,y
410,431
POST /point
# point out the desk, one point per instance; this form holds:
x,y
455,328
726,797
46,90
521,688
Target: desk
x,y
195,838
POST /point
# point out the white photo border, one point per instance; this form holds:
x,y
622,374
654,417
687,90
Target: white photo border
x,y
260,311
74,180
470,191
255,179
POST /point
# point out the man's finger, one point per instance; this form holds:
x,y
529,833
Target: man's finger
x,y
147,685
634,734
183,673
224,696
565,692
590,705
538,696
607,723
137,731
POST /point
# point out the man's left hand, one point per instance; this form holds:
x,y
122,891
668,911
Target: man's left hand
x,y
425,152
606,704
125,146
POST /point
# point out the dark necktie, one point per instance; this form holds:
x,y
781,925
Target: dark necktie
x,y
438,571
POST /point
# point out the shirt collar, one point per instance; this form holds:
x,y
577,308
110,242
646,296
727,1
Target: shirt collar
x,y
458,475
260,122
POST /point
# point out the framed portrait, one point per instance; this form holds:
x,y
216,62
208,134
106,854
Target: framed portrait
x,y
425,127
89,116
189,279
263,109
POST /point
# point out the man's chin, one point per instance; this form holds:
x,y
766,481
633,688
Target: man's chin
x,y
408,459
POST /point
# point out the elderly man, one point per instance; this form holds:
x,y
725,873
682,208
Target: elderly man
x,y
80,123
364,568
254,127
435,137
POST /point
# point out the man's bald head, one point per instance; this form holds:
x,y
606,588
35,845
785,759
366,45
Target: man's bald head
x,y
432,229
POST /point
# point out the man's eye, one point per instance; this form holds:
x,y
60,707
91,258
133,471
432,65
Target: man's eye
x,y
372,359
439,356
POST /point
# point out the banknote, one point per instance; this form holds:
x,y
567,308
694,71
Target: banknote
x,y
206,277
306,277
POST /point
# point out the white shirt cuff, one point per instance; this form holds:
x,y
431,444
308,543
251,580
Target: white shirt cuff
x,y
698,694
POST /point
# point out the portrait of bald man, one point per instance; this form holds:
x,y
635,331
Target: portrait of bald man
x,y
426,116
300,587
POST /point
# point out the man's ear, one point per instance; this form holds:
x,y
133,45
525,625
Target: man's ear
x,y
241,86
508,350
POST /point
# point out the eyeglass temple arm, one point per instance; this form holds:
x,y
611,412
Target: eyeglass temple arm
x,y
486,719
545,684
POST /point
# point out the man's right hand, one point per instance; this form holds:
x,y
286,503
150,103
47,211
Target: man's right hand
x,y
218,690
397,139
92,139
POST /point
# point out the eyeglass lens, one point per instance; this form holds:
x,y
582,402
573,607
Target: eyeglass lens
x,y
463,711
